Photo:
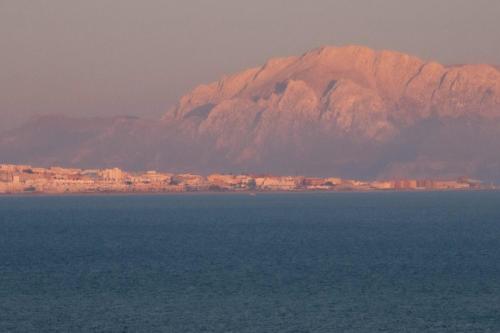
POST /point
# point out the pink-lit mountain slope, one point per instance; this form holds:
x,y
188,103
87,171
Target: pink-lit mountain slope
x,y
348,111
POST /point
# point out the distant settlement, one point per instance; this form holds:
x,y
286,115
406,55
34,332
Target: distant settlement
x,y
18,179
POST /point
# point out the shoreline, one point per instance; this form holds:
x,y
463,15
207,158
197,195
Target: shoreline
x,y
248,193
26,180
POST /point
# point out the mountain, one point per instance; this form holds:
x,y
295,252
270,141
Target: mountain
x,y
86,142
348,111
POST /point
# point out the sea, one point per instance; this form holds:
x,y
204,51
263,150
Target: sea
x,y
270,262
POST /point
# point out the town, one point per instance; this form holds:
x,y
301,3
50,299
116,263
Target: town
x,y
19,179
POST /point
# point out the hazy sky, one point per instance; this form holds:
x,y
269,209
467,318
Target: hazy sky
x,y
136,57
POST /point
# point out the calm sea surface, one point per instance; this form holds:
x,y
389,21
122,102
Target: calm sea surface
x,y
338,262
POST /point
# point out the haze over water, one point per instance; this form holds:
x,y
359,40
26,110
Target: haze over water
x,y
348,262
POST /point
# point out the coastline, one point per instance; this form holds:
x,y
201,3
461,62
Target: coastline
x,y
25,180
243,193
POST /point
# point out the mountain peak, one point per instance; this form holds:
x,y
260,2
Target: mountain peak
x,y
402,82
347,110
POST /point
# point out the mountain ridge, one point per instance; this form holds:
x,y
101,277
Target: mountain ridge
x,y
348,110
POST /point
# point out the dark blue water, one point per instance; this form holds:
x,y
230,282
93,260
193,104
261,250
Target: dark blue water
x,y
341,262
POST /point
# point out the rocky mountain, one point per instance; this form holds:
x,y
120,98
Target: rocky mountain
x,y
348,111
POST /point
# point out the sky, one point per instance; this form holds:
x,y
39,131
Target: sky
x,y
129,57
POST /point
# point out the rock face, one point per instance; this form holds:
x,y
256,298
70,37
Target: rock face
x,y
348,111
353,89
335,108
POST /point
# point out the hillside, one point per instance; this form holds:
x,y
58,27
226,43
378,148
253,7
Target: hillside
x,y
350,111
